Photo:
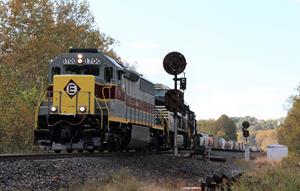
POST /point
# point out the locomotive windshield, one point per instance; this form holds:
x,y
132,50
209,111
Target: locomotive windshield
x,y
87,70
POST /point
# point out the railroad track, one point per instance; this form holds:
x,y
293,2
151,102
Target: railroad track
x,y
46,156
228,150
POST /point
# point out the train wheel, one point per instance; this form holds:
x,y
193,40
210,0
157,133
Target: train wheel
x,y
69,150
110,147
91,150
57,151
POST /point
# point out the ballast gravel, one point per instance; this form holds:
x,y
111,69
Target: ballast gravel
x,y
54,174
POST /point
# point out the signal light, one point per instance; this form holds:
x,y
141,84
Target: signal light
x,y
174,100
245,125
183,83
174,63
246,133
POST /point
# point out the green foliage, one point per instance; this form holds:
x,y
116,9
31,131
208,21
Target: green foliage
x,y
224,123
32,33
262,132
206,126
223,127
257,124
289,132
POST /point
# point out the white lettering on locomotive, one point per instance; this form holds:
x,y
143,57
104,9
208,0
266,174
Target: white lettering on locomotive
x,y
72,88
87,60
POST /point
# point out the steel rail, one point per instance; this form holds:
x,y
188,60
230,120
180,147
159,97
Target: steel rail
x,y
46,156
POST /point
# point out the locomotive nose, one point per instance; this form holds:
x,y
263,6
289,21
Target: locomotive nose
x,y
73,94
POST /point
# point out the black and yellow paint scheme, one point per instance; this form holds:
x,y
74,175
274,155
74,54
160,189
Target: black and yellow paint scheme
x,y
74,94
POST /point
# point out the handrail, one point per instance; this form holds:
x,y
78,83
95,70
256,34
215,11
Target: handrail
x,y
36,111
101,124
103,95
89,103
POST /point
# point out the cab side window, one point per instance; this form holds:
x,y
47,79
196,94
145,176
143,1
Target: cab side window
x,y
108,74
120,75
91,70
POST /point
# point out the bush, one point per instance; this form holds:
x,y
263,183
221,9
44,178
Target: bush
x,y
272,176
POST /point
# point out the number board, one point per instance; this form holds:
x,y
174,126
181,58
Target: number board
x,y
88,60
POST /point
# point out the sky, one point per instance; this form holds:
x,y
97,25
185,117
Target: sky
x,y
243,57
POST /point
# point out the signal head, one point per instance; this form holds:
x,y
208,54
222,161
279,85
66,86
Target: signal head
x,y
174,63
246,124
246,133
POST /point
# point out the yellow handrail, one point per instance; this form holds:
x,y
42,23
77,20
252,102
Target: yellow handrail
x,y
104,98
36,112
101,124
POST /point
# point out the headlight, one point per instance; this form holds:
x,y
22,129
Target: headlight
x,y
82,109
79,61
53,109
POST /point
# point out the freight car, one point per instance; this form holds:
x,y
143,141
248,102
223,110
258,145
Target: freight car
x,y
93,103
205,142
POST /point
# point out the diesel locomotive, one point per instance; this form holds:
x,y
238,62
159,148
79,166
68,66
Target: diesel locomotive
x,y
94,102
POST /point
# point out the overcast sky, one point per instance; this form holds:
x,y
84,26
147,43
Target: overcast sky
x,y
243,56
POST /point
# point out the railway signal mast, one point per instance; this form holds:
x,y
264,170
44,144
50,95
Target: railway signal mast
x,y
174,63
245,126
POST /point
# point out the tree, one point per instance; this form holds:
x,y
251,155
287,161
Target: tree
x,y
32,33
225,127
207,126
289,131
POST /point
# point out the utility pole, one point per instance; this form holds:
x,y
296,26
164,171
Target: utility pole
x,y
175,122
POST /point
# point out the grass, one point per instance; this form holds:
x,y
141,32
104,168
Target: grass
x,y
123,181
265,176
258,175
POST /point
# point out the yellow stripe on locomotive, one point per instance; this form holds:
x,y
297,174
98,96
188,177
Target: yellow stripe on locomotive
x,y
73,94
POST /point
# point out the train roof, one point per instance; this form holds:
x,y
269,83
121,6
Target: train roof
x,y
92,56
161,87
86,57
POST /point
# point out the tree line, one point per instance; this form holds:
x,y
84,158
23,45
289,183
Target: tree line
x,y
32,33
289,131
222,127
262,132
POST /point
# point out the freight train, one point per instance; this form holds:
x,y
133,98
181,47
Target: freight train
x,y
204,142
94,102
